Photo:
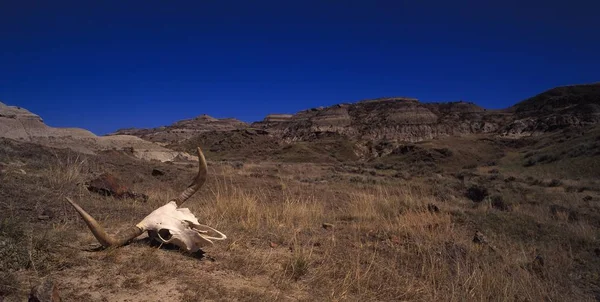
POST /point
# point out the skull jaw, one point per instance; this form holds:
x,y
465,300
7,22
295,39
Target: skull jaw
x,y
163,236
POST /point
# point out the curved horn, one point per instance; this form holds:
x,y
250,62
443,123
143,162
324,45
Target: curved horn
x,y
104,238
198,181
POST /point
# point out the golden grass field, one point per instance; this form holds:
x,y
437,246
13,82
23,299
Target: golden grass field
x,y
304,232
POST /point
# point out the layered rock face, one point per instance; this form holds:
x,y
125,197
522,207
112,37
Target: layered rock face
x,y
20,124
408,120
184,129
401,119
365,129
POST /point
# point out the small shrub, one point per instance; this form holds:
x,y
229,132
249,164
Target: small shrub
x,y
297,266
462,175
9,284
571,189
237,165
403,175
66,171
562,213
381,166
445,152
581,189
554,183
498,203
470,166
477,193
534,181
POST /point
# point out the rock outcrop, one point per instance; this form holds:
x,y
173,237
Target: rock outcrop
x,y
408,120
395,119
20,124
184,129
362,130
110,185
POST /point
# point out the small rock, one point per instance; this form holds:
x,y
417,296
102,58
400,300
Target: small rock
x,y
432,208
326,225
109,185
479,238
402,175
157,172
237,165
537,265
273,245
498,203
47,213
46,291
129,150
43,217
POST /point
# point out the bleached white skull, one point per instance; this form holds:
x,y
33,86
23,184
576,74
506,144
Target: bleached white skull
x,y
167,224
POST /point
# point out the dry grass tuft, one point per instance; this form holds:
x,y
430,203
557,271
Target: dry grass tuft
x,y
66,170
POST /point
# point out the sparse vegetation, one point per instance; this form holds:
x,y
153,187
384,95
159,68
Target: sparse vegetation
x,y
336,230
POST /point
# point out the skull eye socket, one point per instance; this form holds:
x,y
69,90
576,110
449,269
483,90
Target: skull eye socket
x,y
164,234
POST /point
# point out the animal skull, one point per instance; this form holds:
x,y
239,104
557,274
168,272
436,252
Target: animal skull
x,y
167,224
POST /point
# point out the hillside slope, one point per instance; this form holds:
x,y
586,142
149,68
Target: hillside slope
x,y
555,109
371,130
20,124
184,129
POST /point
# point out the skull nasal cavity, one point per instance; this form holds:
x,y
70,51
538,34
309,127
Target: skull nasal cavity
x,y
164,234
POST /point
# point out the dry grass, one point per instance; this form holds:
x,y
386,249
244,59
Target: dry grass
x,y
296,240
67,170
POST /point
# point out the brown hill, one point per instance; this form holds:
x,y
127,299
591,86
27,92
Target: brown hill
x,y
394,119
555,109
366,130
184,129
563,98
373,129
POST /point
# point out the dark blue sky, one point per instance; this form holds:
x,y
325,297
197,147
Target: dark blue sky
x,y
116,64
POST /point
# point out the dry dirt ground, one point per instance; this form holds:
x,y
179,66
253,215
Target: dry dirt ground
x,y
489,220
